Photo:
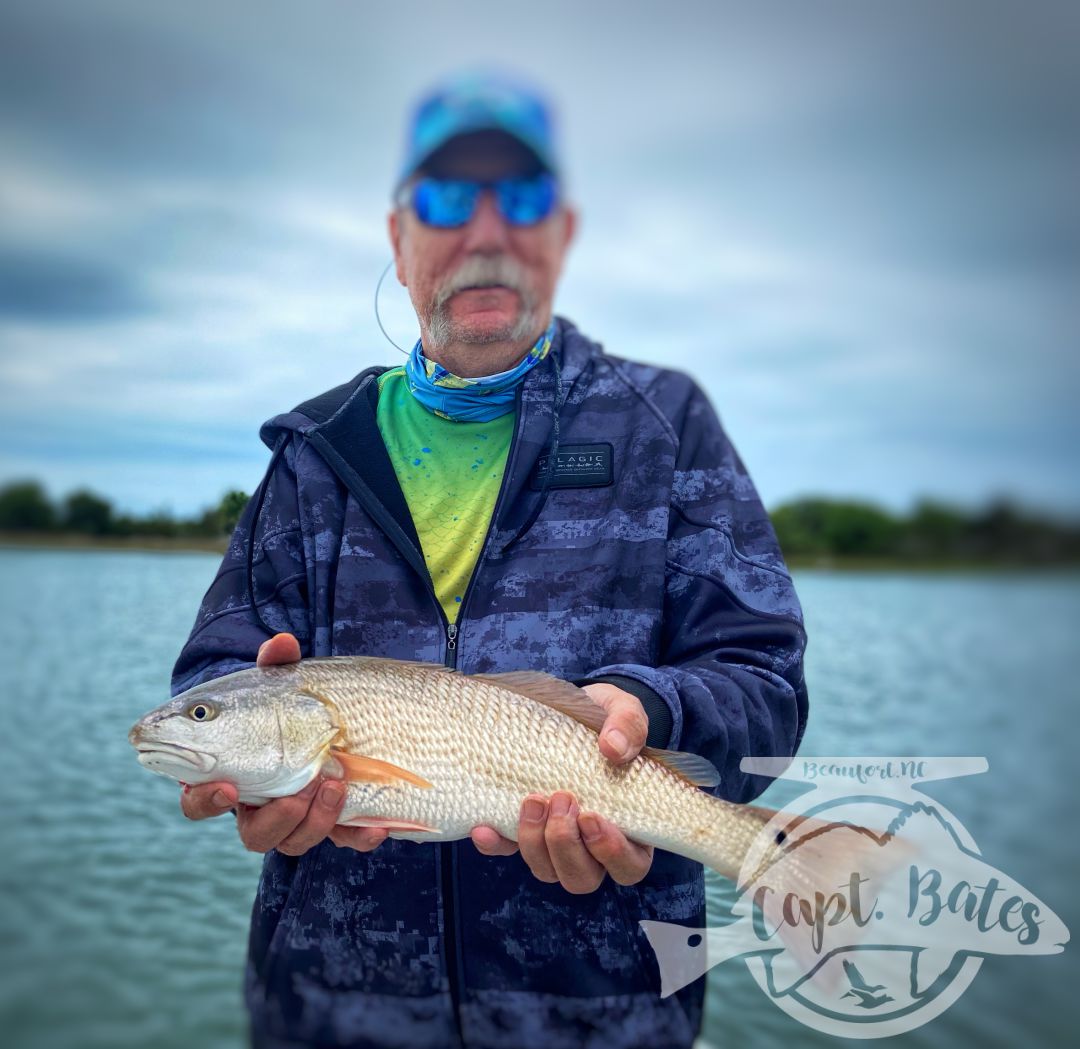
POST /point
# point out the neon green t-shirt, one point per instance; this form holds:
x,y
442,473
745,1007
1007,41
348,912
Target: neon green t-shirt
x,y
450,473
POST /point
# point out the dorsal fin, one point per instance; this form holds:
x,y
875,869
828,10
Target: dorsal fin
x,y
552,692
691,767
575,702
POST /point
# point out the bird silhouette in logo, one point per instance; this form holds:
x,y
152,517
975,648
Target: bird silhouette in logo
x,y
868,996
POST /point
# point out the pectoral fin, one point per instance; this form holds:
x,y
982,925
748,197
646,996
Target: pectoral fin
x,y
356,767
386,823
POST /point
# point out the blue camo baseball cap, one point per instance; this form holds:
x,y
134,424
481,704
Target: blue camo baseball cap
x,y
479,102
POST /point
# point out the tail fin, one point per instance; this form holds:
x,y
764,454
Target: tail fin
x,y
808,888
822,892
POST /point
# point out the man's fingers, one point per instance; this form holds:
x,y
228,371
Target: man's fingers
x,y
625,729
207,799
531,840
491,843
319,821
578,871
363,839
263,829
281,648
626,861
626,725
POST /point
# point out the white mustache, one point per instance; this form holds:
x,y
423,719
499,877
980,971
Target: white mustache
x,y
483,271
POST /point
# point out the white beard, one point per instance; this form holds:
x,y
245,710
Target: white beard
x,y
481,271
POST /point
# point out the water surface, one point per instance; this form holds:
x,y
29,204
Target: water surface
x,y
124,925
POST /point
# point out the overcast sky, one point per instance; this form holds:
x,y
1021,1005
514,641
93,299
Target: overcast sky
x,y
857,224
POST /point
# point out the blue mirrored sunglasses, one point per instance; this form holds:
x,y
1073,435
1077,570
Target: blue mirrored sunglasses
x,y
450,203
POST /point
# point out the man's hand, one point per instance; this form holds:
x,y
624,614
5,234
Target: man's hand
x,y
562,844
291,825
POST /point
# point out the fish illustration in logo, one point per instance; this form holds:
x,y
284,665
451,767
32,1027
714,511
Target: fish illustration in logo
x,y
924,903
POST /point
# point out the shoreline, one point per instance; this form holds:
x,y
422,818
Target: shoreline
x,y
212,545
884,565
144,544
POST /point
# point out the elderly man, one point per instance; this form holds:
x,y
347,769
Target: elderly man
x,y
513,497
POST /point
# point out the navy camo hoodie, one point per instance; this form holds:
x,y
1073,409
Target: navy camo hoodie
x,y
654,565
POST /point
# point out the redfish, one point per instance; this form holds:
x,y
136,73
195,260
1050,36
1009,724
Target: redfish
x,y
429,753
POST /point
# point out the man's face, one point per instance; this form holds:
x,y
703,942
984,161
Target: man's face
x,y
444,268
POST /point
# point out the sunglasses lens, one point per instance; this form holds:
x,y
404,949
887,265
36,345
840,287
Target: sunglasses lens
x,y
526,201
444,204
449,203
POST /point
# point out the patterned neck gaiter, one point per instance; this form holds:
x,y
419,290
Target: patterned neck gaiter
x,y
470,400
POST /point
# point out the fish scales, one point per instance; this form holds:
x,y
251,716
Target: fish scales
x,y
483,749
498,746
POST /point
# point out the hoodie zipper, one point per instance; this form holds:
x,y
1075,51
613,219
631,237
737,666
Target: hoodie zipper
x,y
448,882
448,868
507,473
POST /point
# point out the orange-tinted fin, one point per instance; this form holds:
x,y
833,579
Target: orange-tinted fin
x,y
691,767
372,770
552,692
386,823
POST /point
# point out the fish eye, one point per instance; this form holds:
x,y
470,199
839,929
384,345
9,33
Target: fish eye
x,y
201,711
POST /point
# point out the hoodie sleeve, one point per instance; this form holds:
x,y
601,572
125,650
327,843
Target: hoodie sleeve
x,y
730,681
259,590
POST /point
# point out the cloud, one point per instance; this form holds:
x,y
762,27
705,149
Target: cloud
x,y
54,289
856,227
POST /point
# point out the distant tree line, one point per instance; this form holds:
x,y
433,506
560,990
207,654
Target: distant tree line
x,y
25,507
1000,533
810,529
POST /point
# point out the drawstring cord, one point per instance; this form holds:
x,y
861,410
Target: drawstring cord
x,y
260,498
553,451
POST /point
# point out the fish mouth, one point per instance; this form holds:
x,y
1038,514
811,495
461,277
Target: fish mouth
x,y
155,755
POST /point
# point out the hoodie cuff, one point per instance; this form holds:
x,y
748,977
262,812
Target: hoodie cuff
x,y
655,706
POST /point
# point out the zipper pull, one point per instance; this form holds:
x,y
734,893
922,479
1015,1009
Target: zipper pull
x,y
451,636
